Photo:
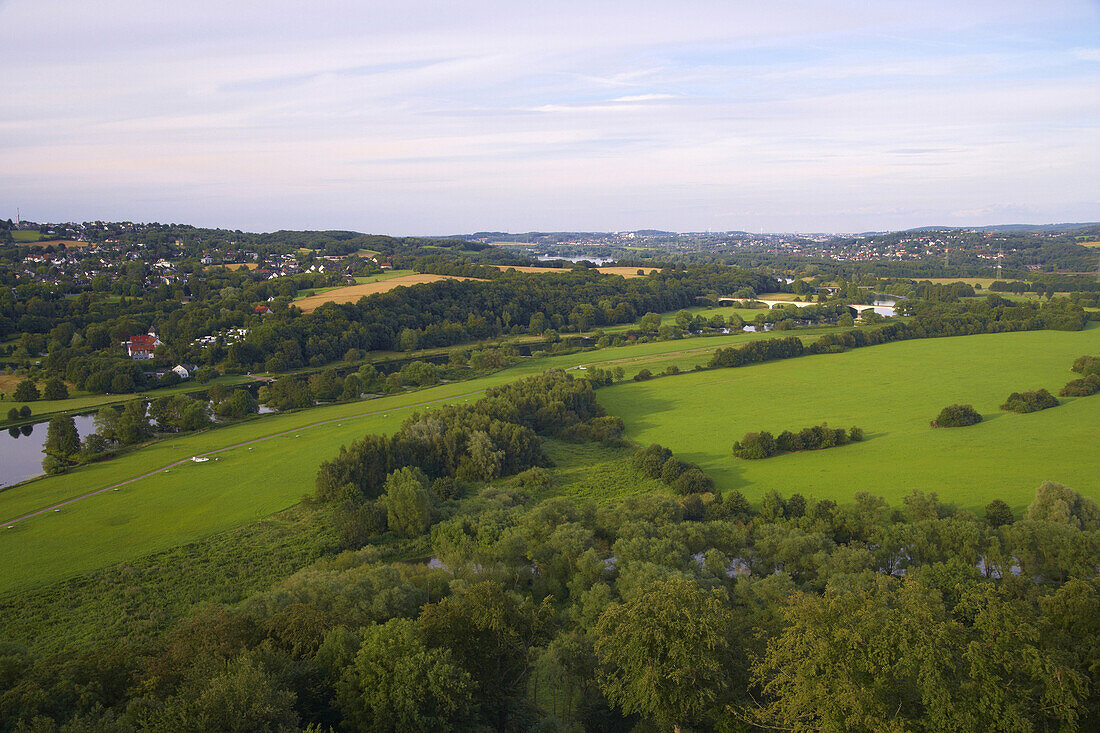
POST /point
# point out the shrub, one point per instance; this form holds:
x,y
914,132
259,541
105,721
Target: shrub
x,y
26,391
25,411
1090,385
13,413
998,514
756,445
1086,365
855,434
651,460
693,481
643,375
1030,401
957,416
672,469
55,389
789,442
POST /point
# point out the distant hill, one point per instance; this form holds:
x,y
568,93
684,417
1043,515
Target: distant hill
x,y
1013,228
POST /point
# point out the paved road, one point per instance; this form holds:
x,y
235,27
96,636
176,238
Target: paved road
x,y
230,447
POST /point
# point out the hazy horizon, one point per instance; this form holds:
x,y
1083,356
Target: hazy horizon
x,y
437,118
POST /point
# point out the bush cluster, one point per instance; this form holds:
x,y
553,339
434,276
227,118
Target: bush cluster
x,y
1089,383
817,437
658,462
957,416
1030,401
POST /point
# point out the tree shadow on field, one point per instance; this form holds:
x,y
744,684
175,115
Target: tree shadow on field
x,y
652,407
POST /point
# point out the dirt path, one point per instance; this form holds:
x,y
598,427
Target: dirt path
x,y
230,447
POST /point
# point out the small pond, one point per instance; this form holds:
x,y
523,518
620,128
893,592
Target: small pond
x,y
21,449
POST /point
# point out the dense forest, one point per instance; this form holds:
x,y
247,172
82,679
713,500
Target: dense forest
x,y
654,613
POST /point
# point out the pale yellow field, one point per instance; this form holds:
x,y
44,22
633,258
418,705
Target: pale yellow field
x,y
352,293
9,381
627,271
624,271
234,266
1089,244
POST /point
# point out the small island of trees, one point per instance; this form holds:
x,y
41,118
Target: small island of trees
x,y
1030,401
957,416
817,437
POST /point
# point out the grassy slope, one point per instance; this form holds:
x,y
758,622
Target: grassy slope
x,y
892,392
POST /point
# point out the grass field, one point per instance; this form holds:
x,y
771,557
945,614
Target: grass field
x,y
892,392
380,284
195,500
23,236
595,472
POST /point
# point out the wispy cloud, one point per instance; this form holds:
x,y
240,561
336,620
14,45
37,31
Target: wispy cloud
x,y
494,115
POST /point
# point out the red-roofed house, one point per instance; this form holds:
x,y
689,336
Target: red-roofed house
x,y
262,310
142,345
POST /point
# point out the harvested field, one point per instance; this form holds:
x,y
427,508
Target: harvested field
x,y
627,271
1089,244
234,266
352,293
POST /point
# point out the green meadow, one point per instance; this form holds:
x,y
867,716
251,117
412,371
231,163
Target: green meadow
x,y
892,392
194,500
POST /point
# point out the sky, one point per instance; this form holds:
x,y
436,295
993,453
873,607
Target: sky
x,y
453,117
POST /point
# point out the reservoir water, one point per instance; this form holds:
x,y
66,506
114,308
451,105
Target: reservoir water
x,y
21,449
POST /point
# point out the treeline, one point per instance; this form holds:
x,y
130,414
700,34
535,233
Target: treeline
x,y
566,615
82,336
817,437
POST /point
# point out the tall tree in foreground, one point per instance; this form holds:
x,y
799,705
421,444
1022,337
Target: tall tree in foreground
x,y
397,684
665,654
490,633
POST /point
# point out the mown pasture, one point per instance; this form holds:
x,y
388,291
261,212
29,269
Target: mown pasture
x,y
892,392
194,500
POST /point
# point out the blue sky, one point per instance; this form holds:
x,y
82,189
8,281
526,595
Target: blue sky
x,y
448,117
